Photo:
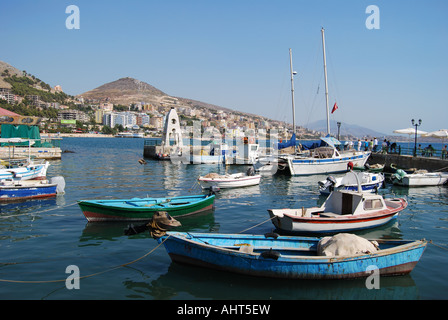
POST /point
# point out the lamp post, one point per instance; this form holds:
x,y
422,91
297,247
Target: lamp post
x,y
339,128
415,124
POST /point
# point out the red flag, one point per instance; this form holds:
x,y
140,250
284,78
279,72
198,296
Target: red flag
x,y
335,107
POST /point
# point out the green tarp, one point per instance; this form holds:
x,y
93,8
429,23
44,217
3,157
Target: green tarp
x,y
21,131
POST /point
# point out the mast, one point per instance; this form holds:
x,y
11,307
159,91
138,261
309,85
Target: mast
x,y
326,83
292,93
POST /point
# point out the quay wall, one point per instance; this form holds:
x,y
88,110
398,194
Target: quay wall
x,y
408,162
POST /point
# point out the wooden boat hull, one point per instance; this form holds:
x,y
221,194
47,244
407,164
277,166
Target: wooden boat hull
x,y
289,257
341,223
22,192
226,183
136,209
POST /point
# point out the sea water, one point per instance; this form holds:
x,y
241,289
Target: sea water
x,y
46,244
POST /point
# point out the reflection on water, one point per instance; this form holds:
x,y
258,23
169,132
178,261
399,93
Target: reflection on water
x,y
208,283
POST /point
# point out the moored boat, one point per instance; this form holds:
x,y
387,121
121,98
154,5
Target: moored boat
x,y
289,257
369,182
14,190
144,208
31,170
226,181
342,211
419,178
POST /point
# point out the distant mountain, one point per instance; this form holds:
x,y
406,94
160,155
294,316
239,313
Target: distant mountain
x,y
346,129
125,91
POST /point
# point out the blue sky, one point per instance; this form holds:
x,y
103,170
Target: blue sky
x,y
235,54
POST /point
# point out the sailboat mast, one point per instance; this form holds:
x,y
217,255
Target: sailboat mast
x,y
292,93
326,83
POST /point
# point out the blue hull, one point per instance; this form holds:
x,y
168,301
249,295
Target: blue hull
x,y
19,193
288,257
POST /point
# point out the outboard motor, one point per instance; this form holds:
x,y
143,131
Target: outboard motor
x,y
213,190
329,183
60,181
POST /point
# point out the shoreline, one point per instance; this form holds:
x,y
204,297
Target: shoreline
x,y
95,135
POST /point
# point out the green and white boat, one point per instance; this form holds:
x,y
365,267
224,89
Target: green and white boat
x,y
136,209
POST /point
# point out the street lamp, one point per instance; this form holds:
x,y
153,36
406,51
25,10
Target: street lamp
x,y
339,128
415,124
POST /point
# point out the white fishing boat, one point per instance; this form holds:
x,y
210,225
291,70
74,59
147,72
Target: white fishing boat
x,y
226,181
342,211
419,178
370,182
31,170
326,158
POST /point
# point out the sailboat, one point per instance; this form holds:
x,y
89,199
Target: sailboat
x,y
327,157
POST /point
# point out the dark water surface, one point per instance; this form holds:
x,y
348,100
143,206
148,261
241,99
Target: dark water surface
x,y
40,239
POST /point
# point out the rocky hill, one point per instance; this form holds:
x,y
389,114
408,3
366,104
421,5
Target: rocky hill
x,y
129,90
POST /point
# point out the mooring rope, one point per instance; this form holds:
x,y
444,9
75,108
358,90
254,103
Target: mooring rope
x,y
439,246
90,275
38,212
259,224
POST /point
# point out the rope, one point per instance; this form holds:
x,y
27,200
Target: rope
x,y
93,274
258,224
430,241
26,214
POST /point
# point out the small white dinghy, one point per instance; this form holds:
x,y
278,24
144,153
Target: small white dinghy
x,y
419,178
226,181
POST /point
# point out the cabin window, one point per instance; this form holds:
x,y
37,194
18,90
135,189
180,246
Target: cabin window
x,y
372,204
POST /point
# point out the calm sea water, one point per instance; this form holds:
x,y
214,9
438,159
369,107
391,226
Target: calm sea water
x,y
40,239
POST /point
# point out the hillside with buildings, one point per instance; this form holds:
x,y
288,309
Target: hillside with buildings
x,y
125,104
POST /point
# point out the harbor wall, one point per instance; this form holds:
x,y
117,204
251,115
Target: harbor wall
x,y
408,162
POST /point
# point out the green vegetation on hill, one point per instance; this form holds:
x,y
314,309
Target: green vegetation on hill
x,y
24,86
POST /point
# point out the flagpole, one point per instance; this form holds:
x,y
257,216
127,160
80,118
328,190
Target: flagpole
x,y
326,83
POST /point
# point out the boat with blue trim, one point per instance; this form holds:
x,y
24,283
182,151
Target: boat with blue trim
x,y
290,257
136,209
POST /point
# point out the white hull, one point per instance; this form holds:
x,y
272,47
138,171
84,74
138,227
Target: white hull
x,y
422,179
286,223
299,166
31,171
231,181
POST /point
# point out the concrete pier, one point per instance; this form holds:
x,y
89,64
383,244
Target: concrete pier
x,y
408,162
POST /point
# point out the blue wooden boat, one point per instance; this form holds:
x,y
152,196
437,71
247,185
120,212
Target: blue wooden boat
x,y
288,257
13,190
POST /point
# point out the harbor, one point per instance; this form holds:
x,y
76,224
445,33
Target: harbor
x,y
42,237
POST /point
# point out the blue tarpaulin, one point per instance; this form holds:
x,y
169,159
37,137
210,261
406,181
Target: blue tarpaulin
x,y
290,143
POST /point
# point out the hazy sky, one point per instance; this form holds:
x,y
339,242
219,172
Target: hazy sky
x,y
235,54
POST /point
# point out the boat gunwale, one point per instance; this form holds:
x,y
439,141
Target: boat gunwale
x,y
96,203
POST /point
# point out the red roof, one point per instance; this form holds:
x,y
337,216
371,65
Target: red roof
x,y
4,112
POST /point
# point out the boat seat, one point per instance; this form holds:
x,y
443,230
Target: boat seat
x,y
329,215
